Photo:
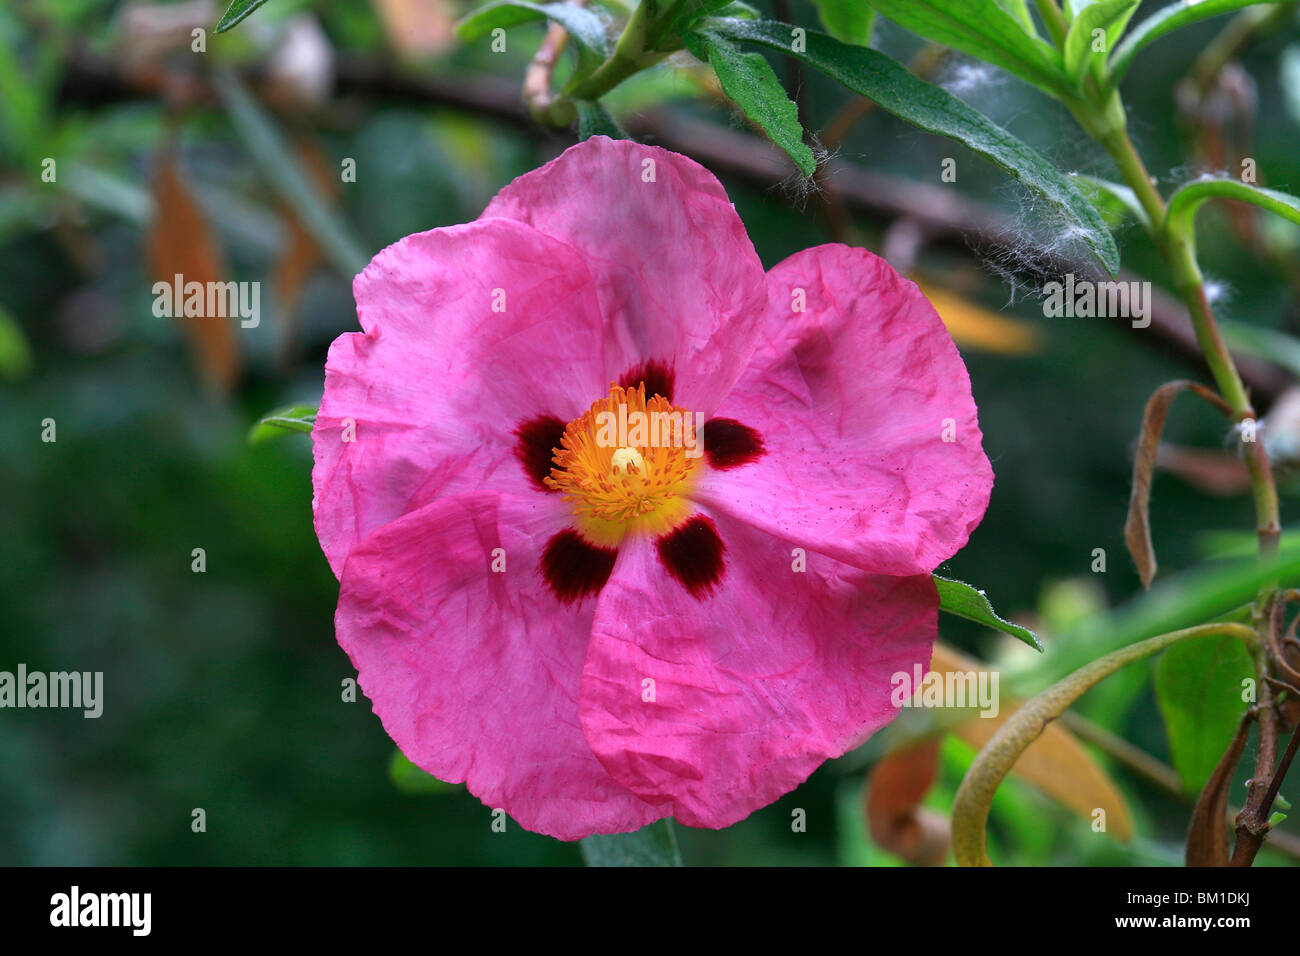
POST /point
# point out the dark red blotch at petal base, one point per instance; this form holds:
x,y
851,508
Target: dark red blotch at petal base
x,y
728,443
537,439
659,378
693,555
574,567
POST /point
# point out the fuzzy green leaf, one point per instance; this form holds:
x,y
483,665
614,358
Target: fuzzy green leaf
x,y
849,21
1110,16
962,600
1165,21
750,82
984,29
887,82
653,845
236,12
586,28
292,418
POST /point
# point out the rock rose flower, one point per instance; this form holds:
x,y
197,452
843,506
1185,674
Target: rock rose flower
x,y
592,628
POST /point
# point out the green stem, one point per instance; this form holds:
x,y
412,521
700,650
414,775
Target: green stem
x,y
1178,246
1053,19
970,808
630,57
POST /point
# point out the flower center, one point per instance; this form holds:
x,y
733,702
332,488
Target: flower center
x,y
627,464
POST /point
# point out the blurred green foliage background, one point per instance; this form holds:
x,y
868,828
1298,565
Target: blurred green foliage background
x,y
223,688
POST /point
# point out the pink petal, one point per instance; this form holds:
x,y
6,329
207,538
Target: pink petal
x,y
676,273
753,687
852,398
475,673
439,381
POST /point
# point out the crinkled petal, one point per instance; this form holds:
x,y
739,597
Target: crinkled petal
x,y
872,446
475,673
753,687
469,330
677,276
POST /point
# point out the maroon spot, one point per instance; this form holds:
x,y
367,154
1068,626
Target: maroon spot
x,y
658,377
575,568
534,449
728,443
693,555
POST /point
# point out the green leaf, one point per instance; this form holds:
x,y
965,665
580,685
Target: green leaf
x,y
409,778
286,174
15,353
1108,196
1271,346
1187,200
748,79
236,12
1180,601
984,29
1019,9
585,28
594,120
1164,21
653,845
1110,16
849,21
292,418
1199,689
962,600
892,87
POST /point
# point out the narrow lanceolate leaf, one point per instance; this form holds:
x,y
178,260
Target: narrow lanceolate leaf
x,y
181,244
1164,21
236,12
849,21
1019,10
286,175
1199,689
1188,199
595,120
15,353
897,820
962,600
1106,194
749,81
1082,50
891,86
584,27
1207,831
653,845
293,418
1137,527
409,778
984,29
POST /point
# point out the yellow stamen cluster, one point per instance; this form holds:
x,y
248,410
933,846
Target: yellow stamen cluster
x,y
620,478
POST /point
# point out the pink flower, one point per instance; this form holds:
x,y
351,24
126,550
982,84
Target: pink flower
x,y
632,629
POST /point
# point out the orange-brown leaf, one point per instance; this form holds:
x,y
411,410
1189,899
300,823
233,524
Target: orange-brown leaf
x,y
1137,527
895,789
179,242
974,326
1207,832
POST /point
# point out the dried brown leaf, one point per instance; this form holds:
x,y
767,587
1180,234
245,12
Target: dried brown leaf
x,y
895,817
1137,528
179,242
1207,833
